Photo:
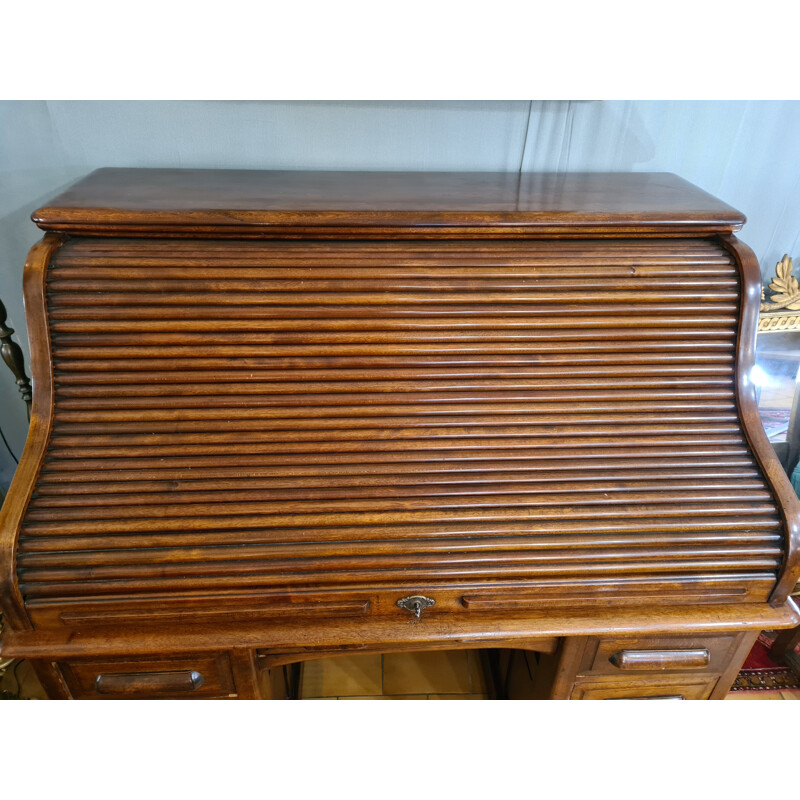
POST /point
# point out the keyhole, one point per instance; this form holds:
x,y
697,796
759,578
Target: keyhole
x,y
416,604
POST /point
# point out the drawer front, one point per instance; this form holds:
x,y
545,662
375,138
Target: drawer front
x,y
632,656
674,687
203,676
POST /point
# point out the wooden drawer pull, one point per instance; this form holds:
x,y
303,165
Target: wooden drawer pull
x,y
149,682
658,697
661,659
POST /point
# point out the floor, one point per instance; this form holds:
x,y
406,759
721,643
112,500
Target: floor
x,y
794,694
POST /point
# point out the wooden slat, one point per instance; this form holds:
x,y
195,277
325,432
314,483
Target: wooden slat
x,y
542,459
347,288
564,547
206,520
477,364
146,326
648,469
584,532
693,408
441,422
548,562
131,482
383,578
266,493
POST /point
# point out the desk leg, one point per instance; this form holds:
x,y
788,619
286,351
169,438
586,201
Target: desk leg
x,y
244,675
785,643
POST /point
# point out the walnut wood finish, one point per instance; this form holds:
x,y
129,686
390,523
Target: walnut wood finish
x,y
22,485
785,643
206,675
221,203
440,528
333,634
690,667
256,427
748,409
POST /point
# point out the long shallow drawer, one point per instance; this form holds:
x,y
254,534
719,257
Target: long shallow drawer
x,y
203,676
633,656
673,687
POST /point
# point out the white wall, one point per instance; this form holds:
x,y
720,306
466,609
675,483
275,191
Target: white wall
x,y
747,153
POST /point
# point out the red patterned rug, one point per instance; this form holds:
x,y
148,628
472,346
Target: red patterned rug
x,y
761,674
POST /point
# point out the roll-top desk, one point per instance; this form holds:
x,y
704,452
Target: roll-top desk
x,y
283,415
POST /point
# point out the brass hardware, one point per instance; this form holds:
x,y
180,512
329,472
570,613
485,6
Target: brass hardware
x,y
416,604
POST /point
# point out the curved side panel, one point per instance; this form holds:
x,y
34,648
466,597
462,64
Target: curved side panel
x,y
39,432
751,421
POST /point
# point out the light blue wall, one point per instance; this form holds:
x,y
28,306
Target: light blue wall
x,y
747,153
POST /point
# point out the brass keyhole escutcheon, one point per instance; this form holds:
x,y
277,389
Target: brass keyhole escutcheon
x,y
416,604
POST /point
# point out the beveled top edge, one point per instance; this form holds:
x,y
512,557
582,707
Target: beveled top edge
x,y
115,200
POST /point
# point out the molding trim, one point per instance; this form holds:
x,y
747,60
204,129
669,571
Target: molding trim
x,y
34,280
784,493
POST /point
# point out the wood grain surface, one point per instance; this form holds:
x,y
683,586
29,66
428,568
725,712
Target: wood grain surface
x,y
383,204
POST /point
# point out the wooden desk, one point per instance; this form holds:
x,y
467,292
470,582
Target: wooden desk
x,y
278,415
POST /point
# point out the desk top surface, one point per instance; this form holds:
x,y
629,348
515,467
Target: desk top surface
x,y
123,199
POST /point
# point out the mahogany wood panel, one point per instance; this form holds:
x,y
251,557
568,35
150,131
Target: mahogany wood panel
x,y
448,630
586,667
736,659
51,679
745,390
363,204
785,644
30,463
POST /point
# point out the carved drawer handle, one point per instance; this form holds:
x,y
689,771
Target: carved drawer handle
x,y
661,659
149,682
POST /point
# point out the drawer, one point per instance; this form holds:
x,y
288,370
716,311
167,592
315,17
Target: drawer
x,y
673,687
637,655
202,676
